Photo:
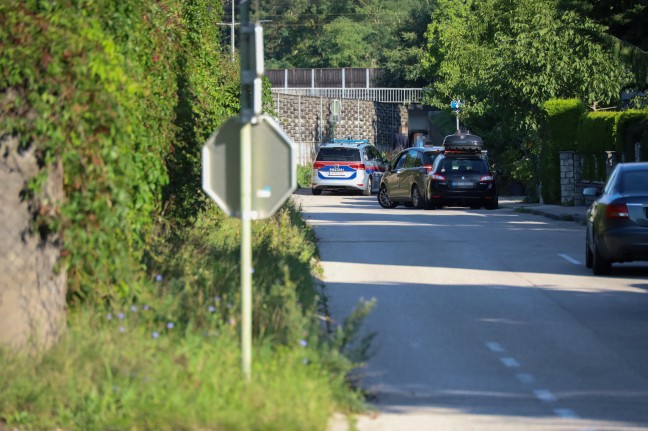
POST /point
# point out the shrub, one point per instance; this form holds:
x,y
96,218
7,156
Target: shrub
x,y
597,133
561,125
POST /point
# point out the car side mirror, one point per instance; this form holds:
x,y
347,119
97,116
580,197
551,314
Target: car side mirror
x,y
592,192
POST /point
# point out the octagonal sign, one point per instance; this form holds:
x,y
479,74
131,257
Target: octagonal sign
x,y
273,170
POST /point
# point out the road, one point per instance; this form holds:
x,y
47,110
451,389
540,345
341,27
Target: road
x,y
485,320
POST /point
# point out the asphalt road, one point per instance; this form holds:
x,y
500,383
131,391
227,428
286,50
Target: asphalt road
x,y
485,320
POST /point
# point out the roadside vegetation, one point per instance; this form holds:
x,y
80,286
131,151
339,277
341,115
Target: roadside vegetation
x,y
122,96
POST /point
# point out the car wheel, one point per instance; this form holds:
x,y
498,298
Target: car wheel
x,y
367,191
589,257
316,192
492,205
417,200
600,265
383,198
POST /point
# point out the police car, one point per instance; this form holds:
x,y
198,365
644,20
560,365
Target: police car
x,y
347,165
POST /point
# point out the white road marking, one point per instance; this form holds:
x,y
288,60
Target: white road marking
x,y
495,347
526,378
570,259
545,395
510,362
566,413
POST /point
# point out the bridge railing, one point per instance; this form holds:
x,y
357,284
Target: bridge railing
x,y
388,95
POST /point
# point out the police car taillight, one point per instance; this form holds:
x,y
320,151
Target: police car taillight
x,y
318,165
357,166
486,178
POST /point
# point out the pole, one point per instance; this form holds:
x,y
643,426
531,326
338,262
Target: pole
x,y
232,31
246,194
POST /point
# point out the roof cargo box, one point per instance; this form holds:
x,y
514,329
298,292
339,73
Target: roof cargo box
x,y
463,142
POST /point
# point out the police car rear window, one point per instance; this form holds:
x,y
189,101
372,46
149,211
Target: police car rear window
x,y
338,154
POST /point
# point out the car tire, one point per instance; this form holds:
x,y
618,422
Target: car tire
x,y
316,192
367,191
417,200
493,205
600,265
383,198
589,257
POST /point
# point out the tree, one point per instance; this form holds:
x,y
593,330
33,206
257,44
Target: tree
x,y
504,58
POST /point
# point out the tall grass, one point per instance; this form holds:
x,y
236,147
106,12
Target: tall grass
x,y
169,359
140,373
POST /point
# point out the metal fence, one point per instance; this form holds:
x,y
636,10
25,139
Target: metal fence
x,y
324,77
387,95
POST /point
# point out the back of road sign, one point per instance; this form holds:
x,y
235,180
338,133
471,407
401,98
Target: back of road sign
x,y
274,167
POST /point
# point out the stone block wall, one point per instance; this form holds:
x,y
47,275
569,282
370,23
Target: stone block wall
x,y
308,121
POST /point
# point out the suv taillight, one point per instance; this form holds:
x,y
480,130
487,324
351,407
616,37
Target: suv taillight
x,y
616,211
438,177
318,165
486,178
358,166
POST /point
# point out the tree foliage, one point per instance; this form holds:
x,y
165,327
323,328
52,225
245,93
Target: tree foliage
x,y
505,58
332,33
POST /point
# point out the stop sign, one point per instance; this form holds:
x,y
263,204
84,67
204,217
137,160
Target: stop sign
x,y
273,170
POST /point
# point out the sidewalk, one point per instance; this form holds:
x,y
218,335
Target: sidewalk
x,y
556,212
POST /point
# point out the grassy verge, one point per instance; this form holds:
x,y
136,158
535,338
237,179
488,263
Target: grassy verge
x,y
170,359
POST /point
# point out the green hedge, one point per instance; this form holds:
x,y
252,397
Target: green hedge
x,y
597,133
632,128
123,94
561,124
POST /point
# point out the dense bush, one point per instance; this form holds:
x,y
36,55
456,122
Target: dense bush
x,y
560,126
633,128
123,94
597,132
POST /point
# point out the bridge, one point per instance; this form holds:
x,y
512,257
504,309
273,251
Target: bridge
x,y
303,101
342,83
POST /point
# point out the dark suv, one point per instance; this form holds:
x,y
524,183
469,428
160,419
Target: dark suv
x,y
461,175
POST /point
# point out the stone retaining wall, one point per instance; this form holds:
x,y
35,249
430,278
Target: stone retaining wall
x,y
308,121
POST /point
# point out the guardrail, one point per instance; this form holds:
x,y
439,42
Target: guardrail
x,y
387,95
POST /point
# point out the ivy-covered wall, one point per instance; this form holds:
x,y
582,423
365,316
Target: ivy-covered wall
x,y
122,95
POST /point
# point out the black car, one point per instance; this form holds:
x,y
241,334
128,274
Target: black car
x,y
407,177
461,176
617,221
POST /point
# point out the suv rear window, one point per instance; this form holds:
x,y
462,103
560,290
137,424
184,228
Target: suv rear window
x,y
470,166
338,154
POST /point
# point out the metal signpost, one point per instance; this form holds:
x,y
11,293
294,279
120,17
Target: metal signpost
x,y
246,183
456,106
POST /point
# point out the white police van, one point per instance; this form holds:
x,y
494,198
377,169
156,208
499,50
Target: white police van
x,y
347,165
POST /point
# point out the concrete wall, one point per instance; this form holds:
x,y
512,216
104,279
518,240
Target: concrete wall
x,y
32,292
308,121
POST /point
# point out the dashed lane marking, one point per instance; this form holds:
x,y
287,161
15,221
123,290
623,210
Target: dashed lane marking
x,y
510,362
526,378
570,259
545,395
495,347
566,413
